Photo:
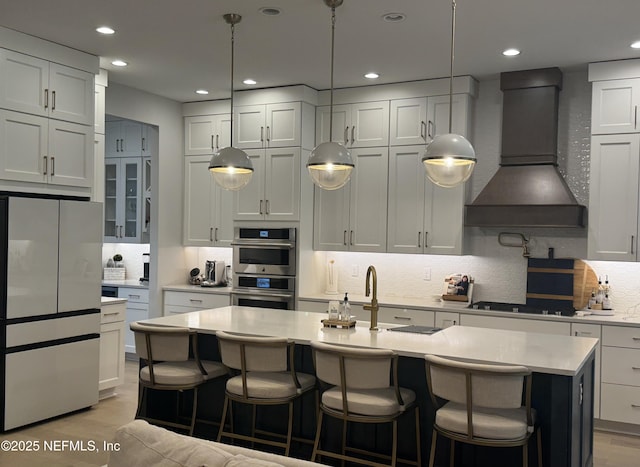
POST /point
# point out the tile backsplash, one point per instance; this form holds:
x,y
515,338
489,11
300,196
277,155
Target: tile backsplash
x,y
132,257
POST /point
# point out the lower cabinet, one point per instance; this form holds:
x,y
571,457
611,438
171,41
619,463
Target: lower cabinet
x,y
185,302
404,316
515,324
444,319
592,330
112,330
137,309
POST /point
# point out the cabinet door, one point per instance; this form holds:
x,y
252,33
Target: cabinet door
x,y
111,190
369,124
592,330
444,319
222,216
331,219
613,197
135,312
249,126
223,131
282,184
99,108
406,200
24,80
23,147
341,124
198,202
443,219
111,355
150,140
249,203
71,94
368,202
70,154
199,135
438,115
283,125
408,121
614,107
131,199
123,138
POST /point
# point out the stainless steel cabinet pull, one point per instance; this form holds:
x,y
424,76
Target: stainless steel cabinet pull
x,y
53,166
53,98
46,98
143,145
426,236
216,235
635,338
260,206
430,129
111,314
194,300
353,129
134,296
268,134
346,135
423,130
344,238
635,406
351,238
406,318
632,241
261,133
210,234
212,146
267,207
635,117
635,368
419,234
45,165
121,232
217,141
582,333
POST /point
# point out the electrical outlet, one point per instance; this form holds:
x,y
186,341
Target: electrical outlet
x,y
354,270
427,274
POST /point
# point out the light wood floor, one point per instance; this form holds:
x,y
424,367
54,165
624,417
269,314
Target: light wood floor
x,y
99,423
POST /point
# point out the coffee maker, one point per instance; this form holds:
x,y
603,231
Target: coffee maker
x,y
215,274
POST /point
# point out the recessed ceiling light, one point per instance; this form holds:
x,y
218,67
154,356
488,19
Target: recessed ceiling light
x,y
636,45
372,75
249,81
270,11
204,92
393,17
119,63
511,52
105,30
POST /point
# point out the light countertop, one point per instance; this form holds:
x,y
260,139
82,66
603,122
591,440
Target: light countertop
x,y
543,353
133,283
105,301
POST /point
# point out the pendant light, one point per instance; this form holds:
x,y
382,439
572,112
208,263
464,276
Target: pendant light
x,y
231,167
449,159
330,164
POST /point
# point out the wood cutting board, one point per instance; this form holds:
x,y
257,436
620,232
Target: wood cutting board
x,y
584,281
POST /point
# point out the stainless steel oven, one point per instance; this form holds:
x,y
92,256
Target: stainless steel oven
x,y
269,251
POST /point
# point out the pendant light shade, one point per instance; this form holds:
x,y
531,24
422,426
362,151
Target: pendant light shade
x,y
449,159
330,163
231,167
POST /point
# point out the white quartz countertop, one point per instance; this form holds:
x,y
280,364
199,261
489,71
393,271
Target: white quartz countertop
x,y
543,353
197,288
112,300
133,283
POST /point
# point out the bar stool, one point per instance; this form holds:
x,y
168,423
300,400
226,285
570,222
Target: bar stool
x,y
169,367
361,392
481,404
265,375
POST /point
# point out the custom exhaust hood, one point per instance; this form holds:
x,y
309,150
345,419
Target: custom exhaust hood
x,y
528,190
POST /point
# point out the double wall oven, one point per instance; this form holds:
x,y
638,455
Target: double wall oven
x,y
264,267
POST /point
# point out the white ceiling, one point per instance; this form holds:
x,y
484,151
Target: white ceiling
x,y
176,46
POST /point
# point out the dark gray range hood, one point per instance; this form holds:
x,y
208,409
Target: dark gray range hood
x,y
528,190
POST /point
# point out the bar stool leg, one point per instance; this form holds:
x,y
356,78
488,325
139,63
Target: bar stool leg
x,y
525,455
452,456
418,440
316,444
539,441
224,418
194,411
344,440
432,453
289,429
394,442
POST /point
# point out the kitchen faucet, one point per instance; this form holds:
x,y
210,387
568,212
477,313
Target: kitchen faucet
x,y
371,271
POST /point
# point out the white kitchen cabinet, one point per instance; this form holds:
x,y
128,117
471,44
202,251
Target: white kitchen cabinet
x,y
137,309
35,86
267,126
419,120
614,106
123,200
99,108
620,391
205,134
354,217
444,319
595,331
208,209
123,138
188,301
150,140
423,217
360,125
41,150
111,348
515,324
613,197
274,190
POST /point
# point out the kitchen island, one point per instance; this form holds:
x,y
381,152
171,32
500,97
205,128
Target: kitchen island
x,y
563,369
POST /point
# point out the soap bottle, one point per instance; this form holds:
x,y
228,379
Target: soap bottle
x,y
346,308
592,300
606,302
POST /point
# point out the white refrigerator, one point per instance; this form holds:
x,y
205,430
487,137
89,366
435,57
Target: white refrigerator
x,y
50,286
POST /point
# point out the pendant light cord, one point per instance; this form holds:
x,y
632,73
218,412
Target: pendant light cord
x,y
232,47
453,34
333,33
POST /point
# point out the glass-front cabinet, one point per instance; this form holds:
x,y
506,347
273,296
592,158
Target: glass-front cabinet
x,y
122,206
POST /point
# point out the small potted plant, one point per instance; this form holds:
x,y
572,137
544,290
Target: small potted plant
x,y
117,258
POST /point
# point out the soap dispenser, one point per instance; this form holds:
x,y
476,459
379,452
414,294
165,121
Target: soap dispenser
x,y
346,308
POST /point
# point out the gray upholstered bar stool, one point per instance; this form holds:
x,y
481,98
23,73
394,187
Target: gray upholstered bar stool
x,y
264,375
363,388
170,368
481,404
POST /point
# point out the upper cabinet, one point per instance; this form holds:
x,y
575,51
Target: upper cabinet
x,y
123,138
614,106
206,134
123,200
35,86
267,126
355,125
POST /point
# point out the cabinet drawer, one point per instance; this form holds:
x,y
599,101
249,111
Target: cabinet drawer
x,y
177,309
200,301
405,316
586,330
444,319
313,306
618,336
621,366
134,295
112,313
515,324
620,403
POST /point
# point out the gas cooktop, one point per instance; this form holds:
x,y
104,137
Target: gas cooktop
x,y
520,308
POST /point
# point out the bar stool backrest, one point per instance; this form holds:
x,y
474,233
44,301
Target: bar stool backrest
x,y
253,353
161,343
